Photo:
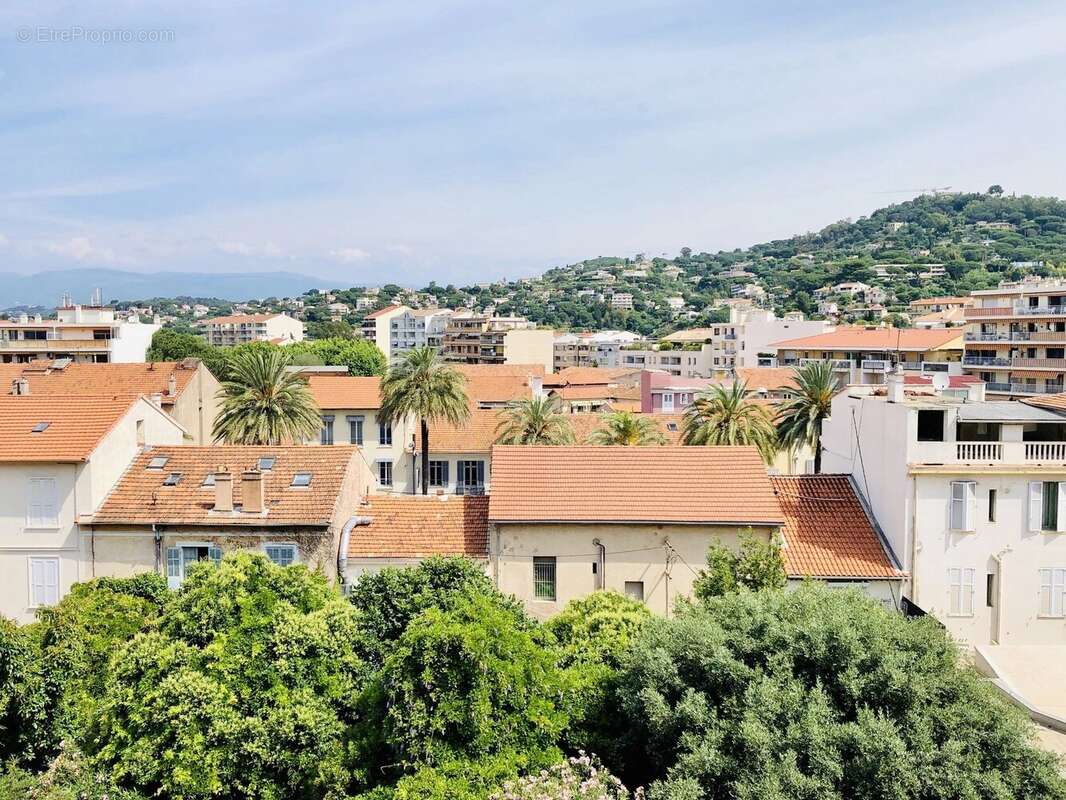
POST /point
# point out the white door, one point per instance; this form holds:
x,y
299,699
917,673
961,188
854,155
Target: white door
x,y
668,403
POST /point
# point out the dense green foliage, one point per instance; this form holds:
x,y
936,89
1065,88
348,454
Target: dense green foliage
x,y
534,420
257,681
627,429
723,415
759,565
800,418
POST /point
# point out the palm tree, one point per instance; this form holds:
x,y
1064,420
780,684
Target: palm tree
x,y
422,385
534,420
725,416
799,420
627,428
262,403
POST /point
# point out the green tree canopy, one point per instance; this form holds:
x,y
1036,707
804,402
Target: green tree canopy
x,y
360,356
534,421
726,416
624,428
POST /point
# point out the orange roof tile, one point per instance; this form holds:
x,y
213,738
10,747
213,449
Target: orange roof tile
x,y
382,311
141,498
590,376
486,388
501,370
413,526
237,319
45,380
597,392
914,339
827,531
1055,402
935,301
75,425
345,391
769,378
709,485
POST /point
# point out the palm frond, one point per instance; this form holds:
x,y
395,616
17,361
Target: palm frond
x,y
624,428
534,420
726,416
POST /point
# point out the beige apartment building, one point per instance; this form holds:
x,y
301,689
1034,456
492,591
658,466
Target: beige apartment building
x,y
1016,337
483,339
84,334
244,328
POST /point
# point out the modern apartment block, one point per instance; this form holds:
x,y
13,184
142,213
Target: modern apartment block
x,y
971,497
1016,337
484,339
600,349
244,328
85,334
396,329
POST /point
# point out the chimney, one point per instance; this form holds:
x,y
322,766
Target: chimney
x,y
172,385
894,385
20,386
156,399
252,492
223,490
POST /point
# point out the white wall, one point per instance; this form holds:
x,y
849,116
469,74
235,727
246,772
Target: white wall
x,y
131,342
371,451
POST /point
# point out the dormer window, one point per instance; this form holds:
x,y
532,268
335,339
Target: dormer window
x,y
301,479
158,462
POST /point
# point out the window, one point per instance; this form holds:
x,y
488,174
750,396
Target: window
x,y
990,589
930,425
301,479
1052,591
281,554
266,463
209,479
140,433
384,433
963,505
991,505
42,507
960,592
327,429
355,429
635,590
179,559
1045,502
471,477
44,582
438,473
158,462
41,427
173,479
544,577
385,473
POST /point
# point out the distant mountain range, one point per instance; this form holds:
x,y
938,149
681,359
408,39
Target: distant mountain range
x,y
46,288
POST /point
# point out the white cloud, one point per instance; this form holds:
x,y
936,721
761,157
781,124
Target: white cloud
x,y
264,250
401,249
349,255
4,241
80,248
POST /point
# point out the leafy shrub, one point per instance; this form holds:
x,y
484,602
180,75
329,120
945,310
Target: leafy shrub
x,y
759,565
580,778
815,693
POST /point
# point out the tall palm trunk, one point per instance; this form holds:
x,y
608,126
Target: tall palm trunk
x,y
425,454
818,450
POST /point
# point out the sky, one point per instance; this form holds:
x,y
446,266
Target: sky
x,y
461,141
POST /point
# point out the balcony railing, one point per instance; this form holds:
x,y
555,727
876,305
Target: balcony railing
x,y
473,489
874,365
990,452
984,361
1040,363
987,337
1023,388
1045,451
838,363
979,451
1016,310
934,366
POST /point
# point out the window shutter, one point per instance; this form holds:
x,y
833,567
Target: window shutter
x,y
1036,502
444,473
971,506
967,592
173,567
954,586
1060,521
957,508
33,506
1058,589
215,554
1045,592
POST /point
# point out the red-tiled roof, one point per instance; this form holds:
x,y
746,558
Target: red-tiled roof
x,y
710,485
345,391
413,526
237,319
913,339
597,392
75,426
501,370
590,376
46,380
1055,402
382,311
827,531
769,378
141,498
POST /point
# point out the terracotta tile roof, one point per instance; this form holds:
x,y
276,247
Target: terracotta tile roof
x,y
237,319
45,380
382,312
1055,402
952,315
413,526
487,388
707,485
345,391
141,498
827,530
693,334
501,370
590,376
597,392
75,425
585,423
769,378
914,339
935,301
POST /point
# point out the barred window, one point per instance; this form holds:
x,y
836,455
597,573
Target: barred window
x,y
544,577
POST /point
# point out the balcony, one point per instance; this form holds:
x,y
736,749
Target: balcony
x,y
1023,388
984,361
876,365
990,452
53,345
839,364
987,337
1016,310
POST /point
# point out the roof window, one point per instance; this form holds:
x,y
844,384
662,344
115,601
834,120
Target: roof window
x,y
41,427
266,463
301,479
173,479
158,462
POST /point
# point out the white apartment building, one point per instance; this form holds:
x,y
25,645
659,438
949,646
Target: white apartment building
x,y
622,301
1016,337
59,458
600,349
85,334
970,496
396,329
244,328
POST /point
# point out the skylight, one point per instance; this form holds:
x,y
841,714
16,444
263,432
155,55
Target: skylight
x,y
301,479
41,427
671,426
173,479
158,462
209,479
267,463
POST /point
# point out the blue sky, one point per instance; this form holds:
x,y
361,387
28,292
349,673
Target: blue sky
x,y
370,142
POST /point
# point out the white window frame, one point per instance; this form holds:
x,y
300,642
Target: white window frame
x,y
962,506
174,582
1052,593
1036,507
961,579
41,522
292,545
58,584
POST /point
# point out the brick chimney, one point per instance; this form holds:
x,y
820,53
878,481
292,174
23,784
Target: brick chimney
x,y
252,492
223,490
172,385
